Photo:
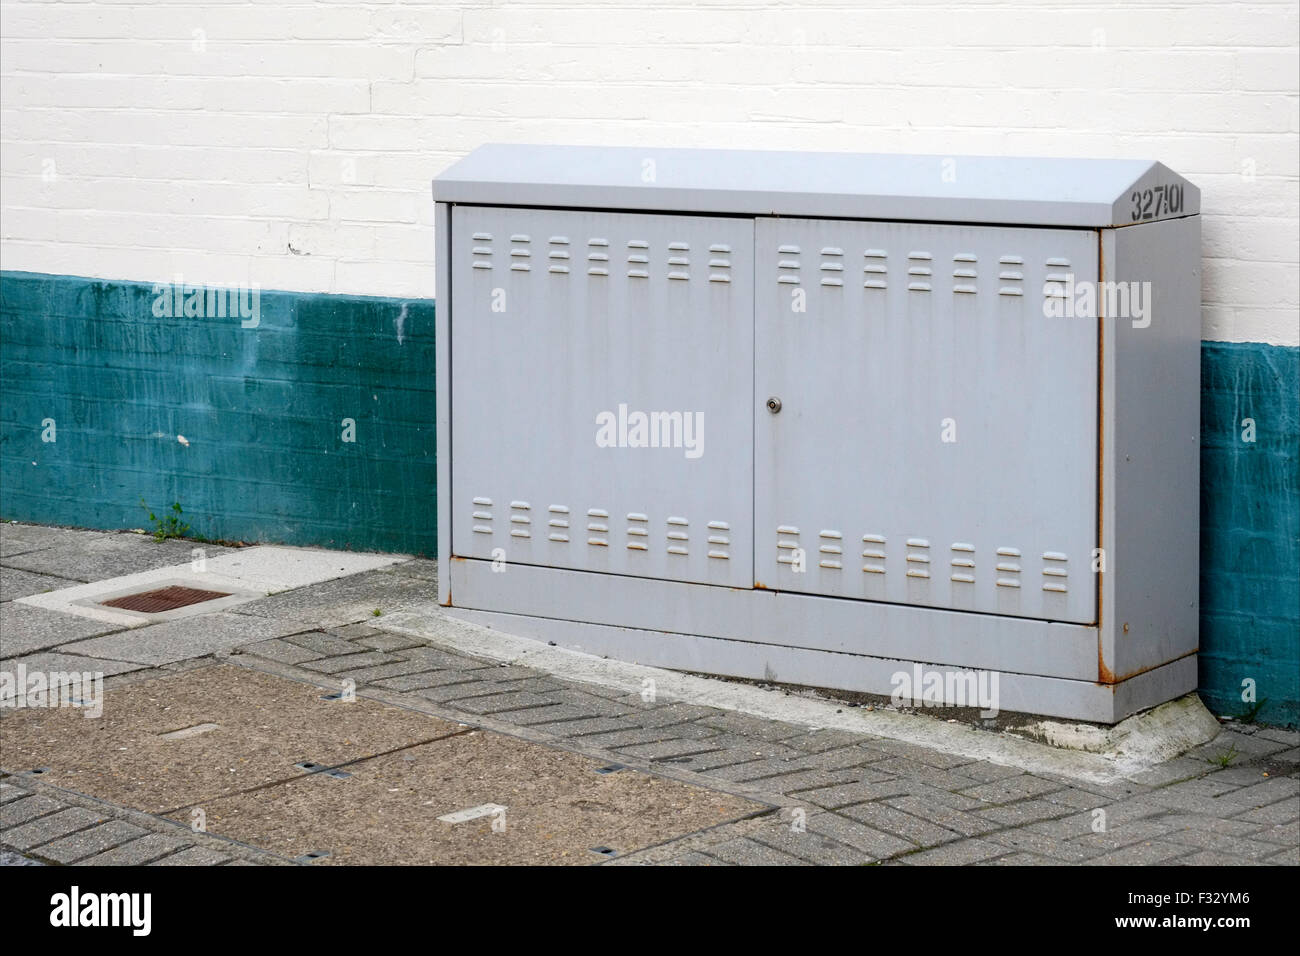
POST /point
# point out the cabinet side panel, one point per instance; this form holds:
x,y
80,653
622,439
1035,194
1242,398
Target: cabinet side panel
x,y
1153,445
442,382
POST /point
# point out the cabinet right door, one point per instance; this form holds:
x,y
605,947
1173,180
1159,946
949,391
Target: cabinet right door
x,y
926,415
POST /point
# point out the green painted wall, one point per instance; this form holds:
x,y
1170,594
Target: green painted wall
x,y
1250,528
262,409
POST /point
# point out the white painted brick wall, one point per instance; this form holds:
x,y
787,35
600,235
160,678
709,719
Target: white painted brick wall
x,y
292,144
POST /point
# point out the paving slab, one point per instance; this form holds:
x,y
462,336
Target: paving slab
x,y
24,629
10,793
173,641
16,812
27,836
421,680
891,820
109,556
803,841
1029,841
18,538
342,601
86,843
15,583
380,641
58,670
282,651
1239,846
1019,859
194,856
1147,853
846,794
941,815
557,808
789,784
424,568
1288,857
264,726
146,849
962,853
285,568
744,851
10,858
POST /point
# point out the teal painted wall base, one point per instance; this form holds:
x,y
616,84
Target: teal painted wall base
x,y
1250,528
263,411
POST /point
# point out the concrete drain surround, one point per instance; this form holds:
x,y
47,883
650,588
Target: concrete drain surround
x,y
244,575
234,743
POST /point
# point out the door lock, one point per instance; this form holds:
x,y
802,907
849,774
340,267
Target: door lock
x,y
774,404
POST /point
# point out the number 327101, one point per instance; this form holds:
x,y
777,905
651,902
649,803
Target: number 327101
x,y
1156,201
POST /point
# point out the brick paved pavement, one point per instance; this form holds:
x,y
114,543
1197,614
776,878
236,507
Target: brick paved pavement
x,y
843,798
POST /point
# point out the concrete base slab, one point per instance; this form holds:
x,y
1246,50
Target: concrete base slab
x,y
253,571
264,726
557,809
1042,667
1150,737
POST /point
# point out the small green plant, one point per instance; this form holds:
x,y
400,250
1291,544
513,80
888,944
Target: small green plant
x,y
376,612
1224,758
1251,714
168,526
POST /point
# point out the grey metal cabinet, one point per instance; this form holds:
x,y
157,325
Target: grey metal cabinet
x,y
564,315
826,418
936,443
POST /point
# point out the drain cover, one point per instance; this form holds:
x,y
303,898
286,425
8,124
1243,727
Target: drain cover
x,y
164,599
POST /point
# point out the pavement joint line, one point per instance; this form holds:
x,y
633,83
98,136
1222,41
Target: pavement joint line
x,y
515,709
36,850
755,817
572,744
148,821
783,773
320,770
45,574
768,803
599,733
464,653
677,758
688,842
486,722
870,858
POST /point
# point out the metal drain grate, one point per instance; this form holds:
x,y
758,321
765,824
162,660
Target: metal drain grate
x,y
164,599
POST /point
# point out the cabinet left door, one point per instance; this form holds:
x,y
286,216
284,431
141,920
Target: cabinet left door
x,y
601,392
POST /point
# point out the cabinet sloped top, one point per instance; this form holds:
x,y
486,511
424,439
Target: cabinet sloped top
x,y
1004,190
